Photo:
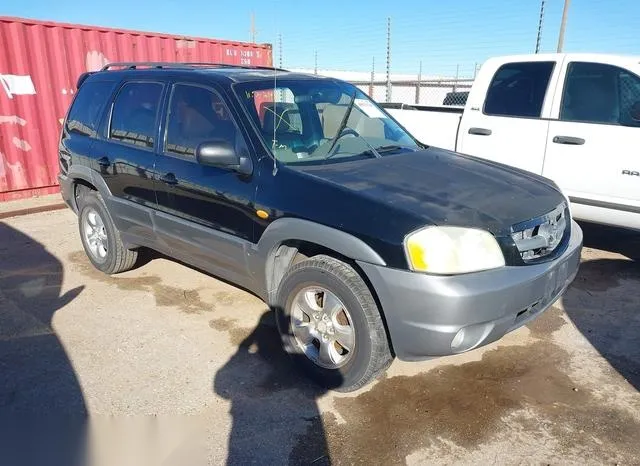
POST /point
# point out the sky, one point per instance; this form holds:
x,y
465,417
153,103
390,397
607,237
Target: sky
x,y
447,37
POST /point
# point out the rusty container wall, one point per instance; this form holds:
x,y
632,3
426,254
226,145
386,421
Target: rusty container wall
x,y
39,65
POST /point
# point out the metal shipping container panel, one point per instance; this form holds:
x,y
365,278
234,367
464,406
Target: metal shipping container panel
x,y
39,65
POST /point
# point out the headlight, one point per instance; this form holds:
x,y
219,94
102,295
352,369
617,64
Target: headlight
x,y
452,250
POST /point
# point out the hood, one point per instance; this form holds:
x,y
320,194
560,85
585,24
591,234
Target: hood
x,y
445,188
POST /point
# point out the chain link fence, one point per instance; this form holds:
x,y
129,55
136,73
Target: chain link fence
x,y
436,92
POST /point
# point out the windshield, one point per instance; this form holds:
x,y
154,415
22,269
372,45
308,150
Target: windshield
x,y
308,121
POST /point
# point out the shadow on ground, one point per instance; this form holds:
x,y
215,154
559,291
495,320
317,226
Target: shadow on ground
x,y
276,419
42,409
274,410
604,300
612,239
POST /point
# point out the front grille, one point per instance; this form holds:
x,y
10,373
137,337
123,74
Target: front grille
x,y
539,237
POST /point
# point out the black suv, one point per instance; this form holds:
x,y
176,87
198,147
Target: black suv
x,y
366,243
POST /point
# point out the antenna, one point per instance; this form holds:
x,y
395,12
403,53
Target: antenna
x,y
275,108
315,66
388,60
373,72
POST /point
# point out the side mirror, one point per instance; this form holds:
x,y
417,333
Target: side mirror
x,y
220,154
635,112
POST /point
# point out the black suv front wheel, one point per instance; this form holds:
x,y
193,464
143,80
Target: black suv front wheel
x,y
99,236
330,324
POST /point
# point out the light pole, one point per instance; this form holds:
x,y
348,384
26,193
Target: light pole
x,y
563,25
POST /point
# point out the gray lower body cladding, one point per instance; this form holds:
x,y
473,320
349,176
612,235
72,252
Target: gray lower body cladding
x,y
430,315
66,190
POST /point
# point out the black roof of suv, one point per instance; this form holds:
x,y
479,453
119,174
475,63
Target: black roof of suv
x,y
304,191
215,71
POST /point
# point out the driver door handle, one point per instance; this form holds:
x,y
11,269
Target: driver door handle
x,y
568,140
480,131
169,178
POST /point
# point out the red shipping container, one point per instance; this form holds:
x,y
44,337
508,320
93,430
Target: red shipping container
x,y
39,66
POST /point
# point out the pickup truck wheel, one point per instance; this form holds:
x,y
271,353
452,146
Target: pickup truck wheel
x,y
330,324
100,239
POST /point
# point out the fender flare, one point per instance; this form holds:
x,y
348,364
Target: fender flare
x,y
82,172
262,256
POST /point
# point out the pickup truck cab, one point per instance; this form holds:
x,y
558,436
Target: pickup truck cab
x,y
573,118
367,244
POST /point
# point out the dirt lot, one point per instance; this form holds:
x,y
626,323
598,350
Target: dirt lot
x,y
176,367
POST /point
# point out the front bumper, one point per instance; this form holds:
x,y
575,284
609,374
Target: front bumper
x,y
430,315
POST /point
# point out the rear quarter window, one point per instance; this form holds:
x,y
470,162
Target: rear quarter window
x,y
85,113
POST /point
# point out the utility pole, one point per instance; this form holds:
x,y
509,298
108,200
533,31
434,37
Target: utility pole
x,y
563,25
315,66
280,49
455,83
388,99
373,72
419,84
253,28
540,26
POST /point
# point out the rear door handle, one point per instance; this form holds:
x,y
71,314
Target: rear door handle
x,y
480,131
169,178
568,140
104,162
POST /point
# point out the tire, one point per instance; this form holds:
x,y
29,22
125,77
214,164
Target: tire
x,y
314,284
106,253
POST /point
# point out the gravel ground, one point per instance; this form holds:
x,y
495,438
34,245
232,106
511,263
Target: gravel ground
x,y
171,366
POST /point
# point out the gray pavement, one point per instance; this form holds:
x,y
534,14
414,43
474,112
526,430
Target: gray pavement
x,y
167,365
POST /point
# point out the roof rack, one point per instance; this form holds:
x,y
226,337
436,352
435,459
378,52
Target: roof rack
x,y
164,65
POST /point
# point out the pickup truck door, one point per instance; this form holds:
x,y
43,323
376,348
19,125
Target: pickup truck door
x,y
503,117
593,145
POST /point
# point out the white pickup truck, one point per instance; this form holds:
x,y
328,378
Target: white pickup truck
x,y
574,118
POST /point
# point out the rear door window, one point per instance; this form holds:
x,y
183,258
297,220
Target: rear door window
x,y
518,89
599,93
134,114
86,111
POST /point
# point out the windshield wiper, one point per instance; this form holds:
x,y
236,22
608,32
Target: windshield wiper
x,y
393,148
370,151
343,124
383,149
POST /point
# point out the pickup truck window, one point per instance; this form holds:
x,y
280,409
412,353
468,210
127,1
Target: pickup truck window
x,y
599,93
133,119
518,89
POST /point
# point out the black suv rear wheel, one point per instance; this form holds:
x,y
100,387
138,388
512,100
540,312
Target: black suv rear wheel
x,y
330,324
100,239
